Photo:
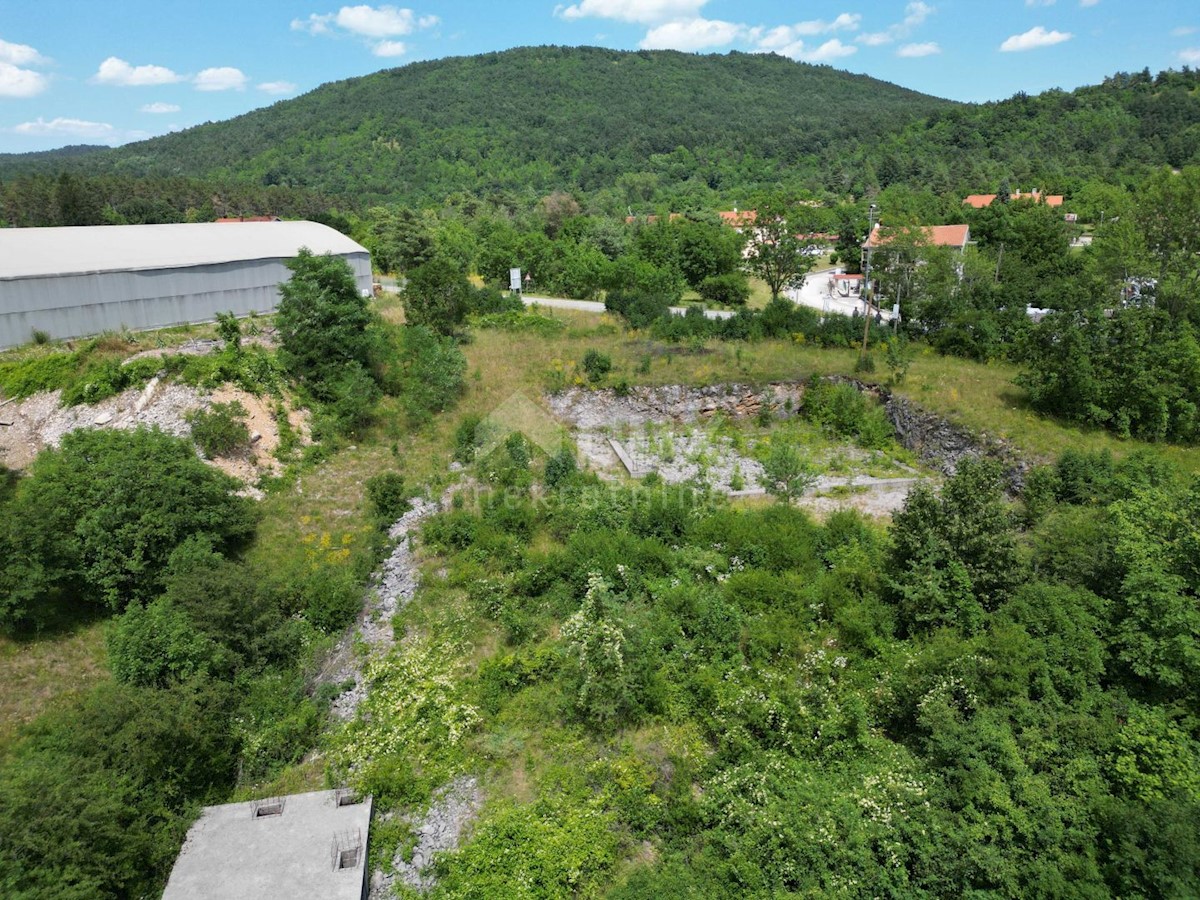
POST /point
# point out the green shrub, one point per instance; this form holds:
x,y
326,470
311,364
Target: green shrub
x,y
431,373
565,850
98,796
277,722
731,289
639,309
467,438
229,330
845,412
491,301
99,517
348,404
560,468
787,473
220,429
864,364
26,377
596,365
521,321
898,354
324,324
332,597
387,496
106,377
155,645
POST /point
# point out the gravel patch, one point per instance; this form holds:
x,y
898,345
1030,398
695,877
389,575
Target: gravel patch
x,y
393,586
590,410
454,806
662,430
41,421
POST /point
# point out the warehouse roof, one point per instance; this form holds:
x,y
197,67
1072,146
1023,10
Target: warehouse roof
x,y
46,252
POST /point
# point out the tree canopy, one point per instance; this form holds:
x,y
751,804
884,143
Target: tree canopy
x,y
97,519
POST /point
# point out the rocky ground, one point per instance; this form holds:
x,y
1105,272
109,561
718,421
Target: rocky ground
x,y
662,430
393,586
41,421
454,807
606,409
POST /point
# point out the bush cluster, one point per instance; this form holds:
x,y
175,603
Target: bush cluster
x,y
219,430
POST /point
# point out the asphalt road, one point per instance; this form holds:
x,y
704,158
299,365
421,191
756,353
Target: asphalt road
x,y
597,307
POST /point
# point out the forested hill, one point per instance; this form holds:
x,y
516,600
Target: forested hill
x,y
1112,131
643,130
540,119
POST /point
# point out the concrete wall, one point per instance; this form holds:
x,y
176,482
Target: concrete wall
x,y
72,306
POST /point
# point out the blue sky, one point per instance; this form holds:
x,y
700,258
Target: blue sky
x,y
81,71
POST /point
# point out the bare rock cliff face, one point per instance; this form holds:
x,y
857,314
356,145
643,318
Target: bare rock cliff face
x,y
940,444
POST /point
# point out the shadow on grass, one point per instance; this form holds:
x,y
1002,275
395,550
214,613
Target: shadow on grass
x,y
60,618
1017,399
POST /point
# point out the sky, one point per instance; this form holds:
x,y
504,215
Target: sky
x,y
82,71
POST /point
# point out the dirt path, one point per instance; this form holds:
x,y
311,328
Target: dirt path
x,y
393,586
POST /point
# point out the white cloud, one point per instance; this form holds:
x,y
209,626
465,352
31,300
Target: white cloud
x,y
913,51
1182,31
1190,55
220,78
378,24
644,11
316,23
915,14
831,49
18,82
783,36
1039,2
1087,3
60,127
20,55
277,87
390,48
118,72
691,34
1033,38
158,108
875,38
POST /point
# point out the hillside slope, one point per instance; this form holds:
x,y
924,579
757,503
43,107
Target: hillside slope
x,y
538,119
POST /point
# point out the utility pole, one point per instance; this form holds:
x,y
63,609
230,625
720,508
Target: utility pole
x,y
867,292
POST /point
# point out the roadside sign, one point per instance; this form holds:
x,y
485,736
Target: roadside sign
x,y
514,279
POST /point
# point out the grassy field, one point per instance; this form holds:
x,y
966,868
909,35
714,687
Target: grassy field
x,y
37,670
985,399
326,502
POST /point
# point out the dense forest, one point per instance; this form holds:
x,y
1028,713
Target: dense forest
x,y
536,120
655,128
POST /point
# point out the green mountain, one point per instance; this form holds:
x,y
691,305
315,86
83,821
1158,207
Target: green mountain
x,y
1113,131
536,120
643,130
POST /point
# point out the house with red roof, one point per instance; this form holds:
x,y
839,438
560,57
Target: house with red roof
x,y
955,237
739,219
979,201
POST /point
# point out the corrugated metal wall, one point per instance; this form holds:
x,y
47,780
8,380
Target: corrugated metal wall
x,y
72,306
